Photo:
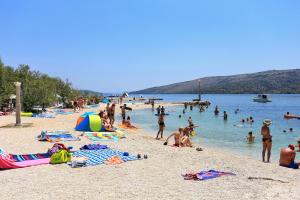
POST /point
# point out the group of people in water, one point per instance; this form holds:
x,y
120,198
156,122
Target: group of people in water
x,y
182,137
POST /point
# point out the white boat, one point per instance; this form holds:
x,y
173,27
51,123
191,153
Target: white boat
x,y
262,98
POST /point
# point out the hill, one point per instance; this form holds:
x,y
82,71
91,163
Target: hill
x,y
273,81
90,93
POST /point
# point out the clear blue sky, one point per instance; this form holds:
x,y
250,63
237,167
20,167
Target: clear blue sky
x,y
117,45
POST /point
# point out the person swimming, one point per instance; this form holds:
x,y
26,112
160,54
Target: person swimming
x,y
250,137
287,157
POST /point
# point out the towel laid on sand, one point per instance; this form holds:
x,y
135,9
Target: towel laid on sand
x,y
97,157
56,136
12,161
104,136
205,175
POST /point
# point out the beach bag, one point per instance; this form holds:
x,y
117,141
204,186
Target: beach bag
x,y
62,156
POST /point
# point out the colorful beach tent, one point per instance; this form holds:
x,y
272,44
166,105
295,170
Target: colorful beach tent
x,y
89,122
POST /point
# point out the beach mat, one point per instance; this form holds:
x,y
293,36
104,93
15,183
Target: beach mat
x,y
205,175
12,161
104,136
97,157
57,136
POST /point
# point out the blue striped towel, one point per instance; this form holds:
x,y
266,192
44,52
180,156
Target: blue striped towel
x,y
97,157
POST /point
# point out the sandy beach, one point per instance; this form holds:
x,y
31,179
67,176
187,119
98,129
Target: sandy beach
x,y
158,177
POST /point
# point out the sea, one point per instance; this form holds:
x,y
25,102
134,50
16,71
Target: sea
x,y
228,135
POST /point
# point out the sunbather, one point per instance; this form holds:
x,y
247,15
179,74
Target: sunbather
x,y
287,158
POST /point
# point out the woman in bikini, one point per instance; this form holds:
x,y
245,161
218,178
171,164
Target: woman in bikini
x,y
161,124
266,139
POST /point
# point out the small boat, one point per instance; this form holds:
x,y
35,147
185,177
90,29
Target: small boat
x,y
262,98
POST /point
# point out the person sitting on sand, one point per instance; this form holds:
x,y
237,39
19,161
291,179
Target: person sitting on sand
x,y
101,114
287,158
250,137
177,137
185,137
127,123
107,125
266,139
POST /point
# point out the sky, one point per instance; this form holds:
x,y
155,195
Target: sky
x,y
127,45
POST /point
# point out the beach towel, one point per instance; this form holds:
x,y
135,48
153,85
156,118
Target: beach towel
x,y
63,112
93,147
205,175
56,136
104,136
43,115
12,161
97,157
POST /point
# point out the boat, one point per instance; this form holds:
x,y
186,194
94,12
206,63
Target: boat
x,y
262,98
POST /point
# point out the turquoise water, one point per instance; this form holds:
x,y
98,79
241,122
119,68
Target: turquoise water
x,y
213,131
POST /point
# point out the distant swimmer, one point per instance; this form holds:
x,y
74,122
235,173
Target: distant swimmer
x,y
287,157
191,107
236,111
183,111
225,116
179,116
250,137
216,110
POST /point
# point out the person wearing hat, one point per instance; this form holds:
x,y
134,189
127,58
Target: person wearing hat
x,y
266,139
287,157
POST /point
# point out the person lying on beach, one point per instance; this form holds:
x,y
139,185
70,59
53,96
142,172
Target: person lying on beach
x,y
177,138
287,158
250,137
127,123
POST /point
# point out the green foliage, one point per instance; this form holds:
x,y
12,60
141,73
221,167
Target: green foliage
x,y
37,89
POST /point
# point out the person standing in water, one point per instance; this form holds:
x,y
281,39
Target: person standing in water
x,y
152,104
161,125
162,110
158,109
216,110
191,107
266,139
123,111
225,116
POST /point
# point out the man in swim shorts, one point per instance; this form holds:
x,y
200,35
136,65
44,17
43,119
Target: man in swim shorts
x,y
287,157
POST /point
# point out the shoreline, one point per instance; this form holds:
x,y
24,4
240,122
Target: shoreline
x,y
158,177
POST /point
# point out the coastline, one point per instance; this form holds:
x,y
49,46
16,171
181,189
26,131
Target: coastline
x,y
158,177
